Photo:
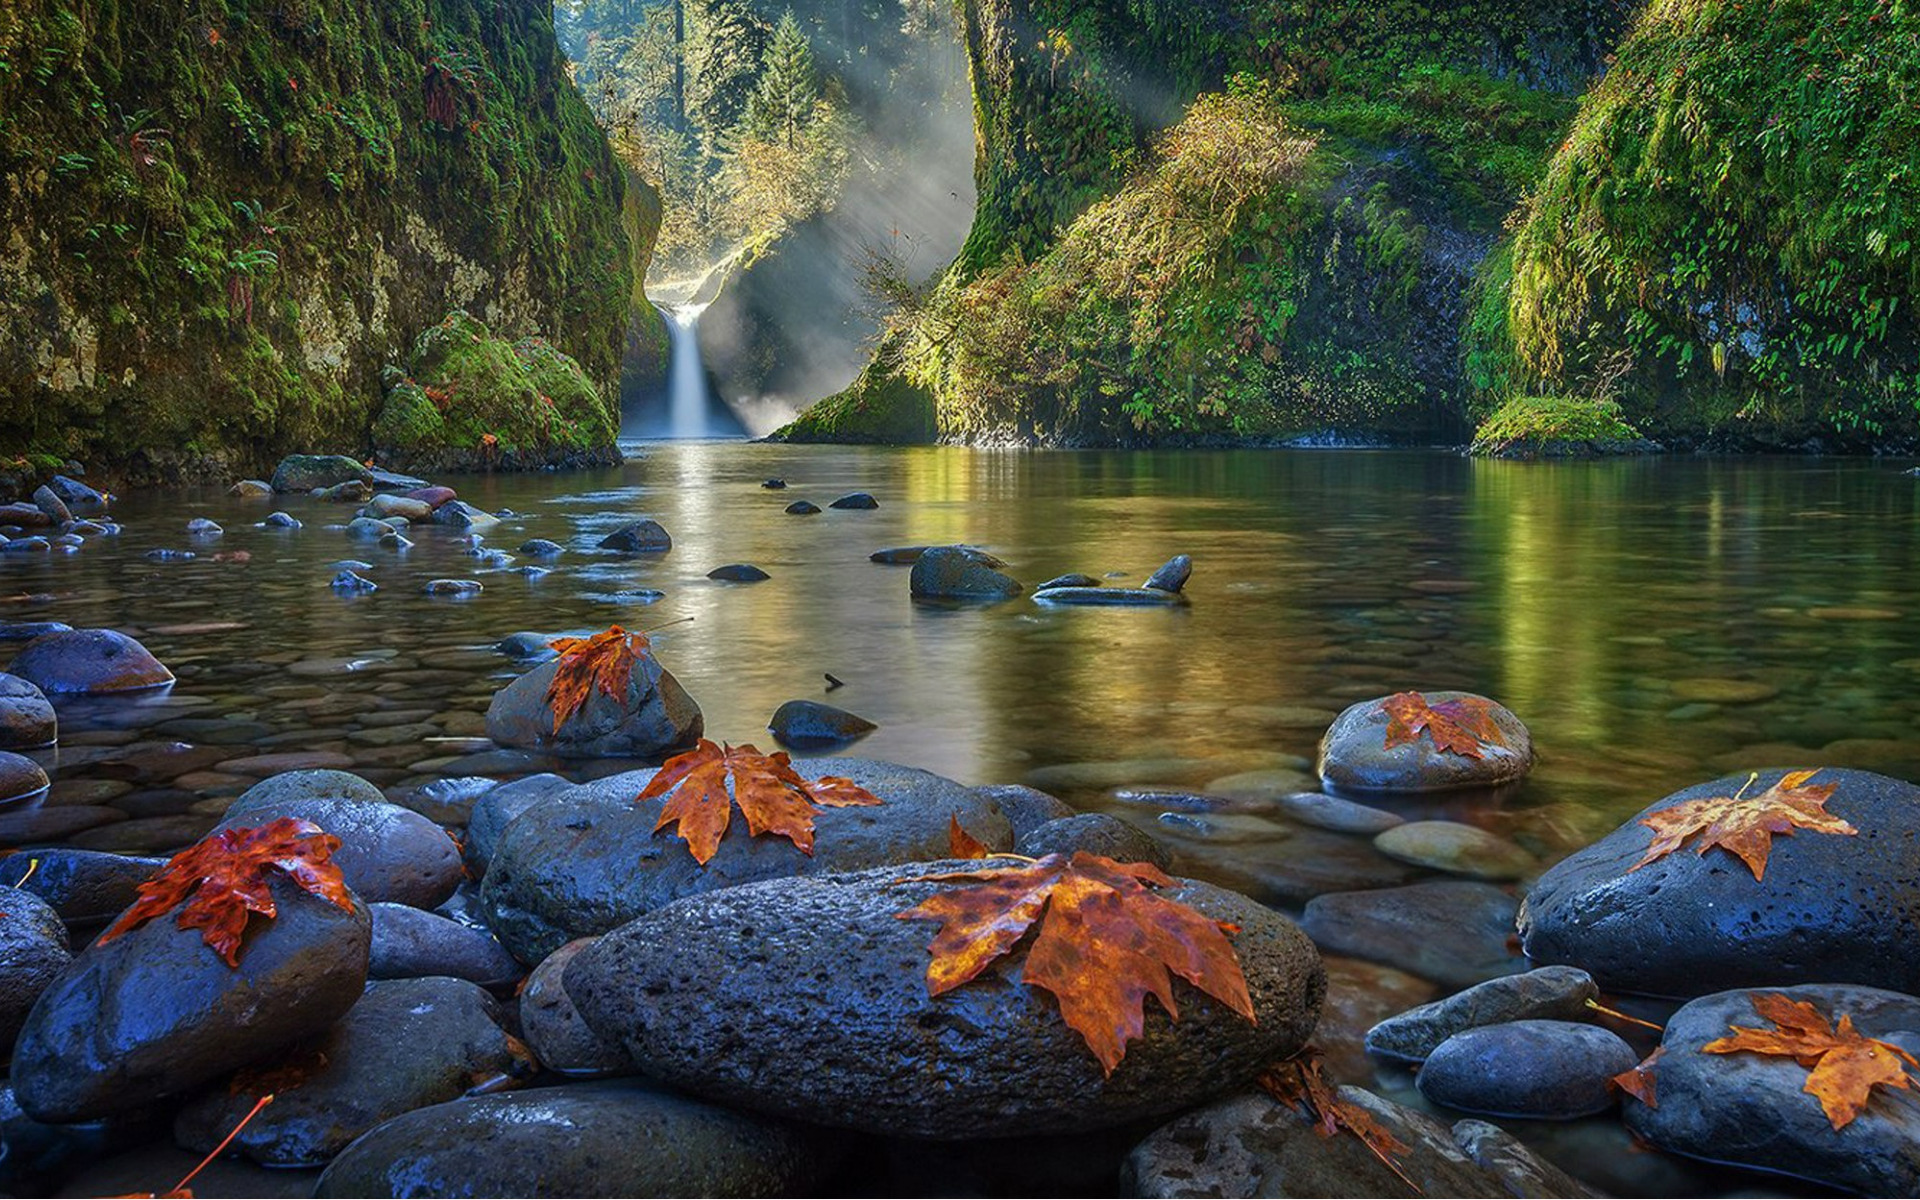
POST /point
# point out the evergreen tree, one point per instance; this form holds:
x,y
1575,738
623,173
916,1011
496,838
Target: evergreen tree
x,y
782,105
724,46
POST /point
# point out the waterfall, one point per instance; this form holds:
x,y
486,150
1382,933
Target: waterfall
x,y
689,412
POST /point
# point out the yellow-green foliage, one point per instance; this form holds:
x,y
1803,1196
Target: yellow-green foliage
x,y
1728,235
1539,422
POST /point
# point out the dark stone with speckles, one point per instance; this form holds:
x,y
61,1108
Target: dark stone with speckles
x,y
386,852
808,998
493,811
33,952
1831,908
1354,755
1026,808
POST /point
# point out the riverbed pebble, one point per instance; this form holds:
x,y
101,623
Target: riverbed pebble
x,y
810,724
1536,1070
1354,755
27,720
1546,994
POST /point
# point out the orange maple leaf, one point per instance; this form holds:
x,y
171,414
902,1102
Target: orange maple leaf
x,y
604,661
218,883
771,794
1638,1082
1844,1064
1743,825
1463,726
961,844
1106,941
1299,1083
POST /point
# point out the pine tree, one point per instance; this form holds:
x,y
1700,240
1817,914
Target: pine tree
x,y
782,105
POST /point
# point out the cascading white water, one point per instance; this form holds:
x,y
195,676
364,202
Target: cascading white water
x,y
688,414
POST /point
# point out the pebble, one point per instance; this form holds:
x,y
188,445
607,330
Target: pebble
x,y
1456,849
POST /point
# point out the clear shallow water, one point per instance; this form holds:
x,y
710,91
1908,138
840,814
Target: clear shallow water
x,y
1606,603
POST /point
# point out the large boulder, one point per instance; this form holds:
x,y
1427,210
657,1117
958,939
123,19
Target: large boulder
x,y
1354,756
610,1138
33,952
808,998
1753,1110
655,717
960,573
309,472
589,860
89,662
158,1011
1831,908
407,1044
386,852
493,812
27,720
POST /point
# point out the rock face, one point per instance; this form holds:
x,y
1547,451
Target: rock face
x,y
1750,1109
89,662
33,952
809,723
959,573
589,860
409,943
640,537
309,472
1109,597
559,1035
612,1138
1548,994
406,1044
1541,1070
157,1011
1251,1146
837,1026
655,718
386,852
27,720
1354,755
1831,908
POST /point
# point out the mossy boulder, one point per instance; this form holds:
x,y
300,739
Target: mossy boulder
x,y
1557,427
881,407
472,399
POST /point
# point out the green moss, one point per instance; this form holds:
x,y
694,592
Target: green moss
x,y
880,407
1540,421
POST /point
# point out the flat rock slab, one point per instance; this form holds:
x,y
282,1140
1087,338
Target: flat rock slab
x,y
1751,1109
1831,908
808,998
1453,932
1354,756
612,1138
589,860
1115,597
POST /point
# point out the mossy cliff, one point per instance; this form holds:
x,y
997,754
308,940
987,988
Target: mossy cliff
x,y
1239,219
1728,241
221,222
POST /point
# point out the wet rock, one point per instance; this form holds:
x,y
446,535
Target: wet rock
x,y
1451,931
1524,1172
407,1044
28,826
1752,1110
803,508
838,1028
409,943
78,496
1252,1146
1259,789
1548,994
775,485
53,506
435,496
84,886
200,527
280,520
542,548
654,718
1295,869
898,555
349,583
1173,576
1354,757
494,811
26,516
309,472
1109,597
26,631
458,514
738,573
305,785
458,589
1538,1070
606,1138
386,506
160,555
1331,812
527,644
1456,849
1025,808
33,952
27,720
20,777
1068,581
1097,833
588,860
366,529
394,483
448,802
250,489
855,501
350,492
89,662
958,573
386,852
559,1035
40,545
810,724
157,1011
1831,908
640,537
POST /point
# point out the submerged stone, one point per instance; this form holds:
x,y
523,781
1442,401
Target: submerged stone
x,y
89,662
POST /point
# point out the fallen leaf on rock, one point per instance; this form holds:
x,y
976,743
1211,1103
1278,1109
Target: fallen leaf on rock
x,y
1638,1081
604,661
1464,726
1106,941
218,883
771,794
1844,1065
1299,1083
1745,825
961,844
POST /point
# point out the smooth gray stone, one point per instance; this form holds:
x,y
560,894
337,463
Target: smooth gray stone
x,y
1548,994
